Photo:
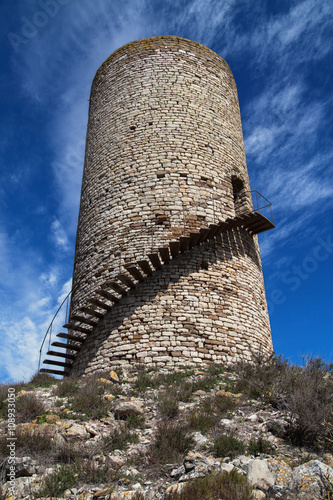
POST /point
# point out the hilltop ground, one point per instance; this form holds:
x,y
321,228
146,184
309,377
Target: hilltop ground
x,y
258,431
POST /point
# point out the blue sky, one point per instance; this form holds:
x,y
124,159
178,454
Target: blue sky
x,y
280,53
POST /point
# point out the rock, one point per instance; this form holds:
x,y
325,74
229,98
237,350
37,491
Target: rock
x,y
24,467
51,418
77,431
242,462
226,422
277,426
259,475
312,478
102,493
114,376
199,393
123,495
175,488
177,473
281,470
115,462
227,467
104,380
125,409
199,438
328,459
258,495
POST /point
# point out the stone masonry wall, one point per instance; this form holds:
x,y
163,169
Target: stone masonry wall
x,y
164,153
206,306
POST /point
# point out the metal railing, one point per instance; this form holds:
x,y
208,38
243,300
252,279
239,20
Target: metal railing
x,y
49,331
257,207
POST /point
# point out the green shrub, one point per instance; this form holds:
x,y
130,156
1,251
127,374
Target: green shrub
x,y
227,446
215,369
229,486
205,383
304,392
42,380
135,421
89,400
172,440
168,405
67,387
118,439
260,445
57,482
88,471
210,411
28,407
202,421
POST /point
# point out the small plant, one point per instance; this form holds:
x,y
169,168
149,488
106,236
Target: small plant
x,y
135,421
202,421
27,443
260,445
227,446
168,405
89,399
42,380
57,482
171,441
143,381
42,419
205,383
67,387
210,411
119,439
28,407
215,369
89,471
229,486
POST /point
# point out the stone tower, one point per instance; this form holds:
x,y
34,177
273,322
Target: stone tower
x,y
167,267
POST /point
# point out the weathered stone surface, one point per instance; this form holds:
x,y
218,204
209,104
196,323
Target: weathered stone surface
x,y
259,475
124,409
165,158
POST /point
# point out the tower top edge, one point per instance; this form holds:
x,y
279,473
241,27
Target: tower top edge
x,y
154,42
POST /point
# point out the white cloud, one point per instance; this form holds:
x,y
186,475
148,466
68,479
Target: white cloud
x,y
59,235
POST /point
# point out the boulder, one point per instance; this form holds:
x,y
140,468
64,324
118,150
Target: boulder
x,y
259,475
125,409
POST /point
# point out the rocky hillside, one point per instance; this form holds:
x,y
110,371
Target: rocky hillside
x,y
260,431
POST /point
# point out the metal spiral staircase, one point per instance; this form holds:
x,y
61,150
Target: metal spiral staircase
x,y
80,325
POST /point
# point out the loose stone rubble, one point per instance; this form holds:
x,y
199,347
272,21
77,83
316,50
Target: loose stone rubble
x,y
290,473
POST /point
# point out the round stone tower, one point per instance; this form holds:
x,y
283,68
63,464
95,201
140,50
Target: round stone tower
x,y
167,267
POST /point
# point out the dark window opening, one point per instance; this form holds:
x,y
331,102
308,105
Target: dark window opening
x,y
238,195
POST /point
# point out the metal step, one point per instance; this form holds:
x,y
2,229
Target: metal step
x,y
57,363
115,286
70,337
92,312
54,372
70,347
174,248
184,243
144,264
165,254
77,328
134,271
154,259
81,319
99,303
126,280
107,295
61,354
